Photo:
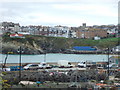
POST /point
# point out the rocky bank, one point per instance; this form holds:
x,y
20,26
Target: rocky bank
x,y
40,44
13,47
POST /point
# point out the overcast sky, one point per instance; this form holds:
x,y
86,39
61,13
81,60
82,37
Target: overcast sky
x,y
59,12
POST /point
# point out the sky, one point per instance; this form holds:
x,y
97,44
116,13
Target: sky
x,y
59,12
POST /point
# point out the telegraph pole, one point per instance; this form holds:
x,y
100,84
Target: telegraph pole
x,y
20,51
5,61
20,64
108,63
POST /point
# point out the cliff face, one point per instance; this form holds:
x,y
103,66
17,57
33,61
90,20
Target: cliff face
x,y
12,47
42,44
35,44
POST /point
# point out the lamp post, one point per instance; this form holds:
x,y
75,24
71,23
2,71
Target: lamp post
x,y
20,51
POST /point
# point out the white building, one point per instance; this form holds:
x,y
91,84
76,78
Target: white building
x,y
16,27
59,31
10,27
97,38
112,31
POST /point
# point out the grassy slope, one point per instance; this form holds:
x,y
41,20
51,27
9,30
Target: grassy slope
x,y
64,43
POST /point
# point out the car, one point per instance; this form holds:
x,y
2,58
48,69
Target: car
x,y
42,65
99,66
4,69
82,64
112,65
31,67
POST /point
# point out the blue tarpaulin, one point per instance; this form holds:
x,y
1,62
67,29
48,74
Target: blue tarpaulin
x,y
84,48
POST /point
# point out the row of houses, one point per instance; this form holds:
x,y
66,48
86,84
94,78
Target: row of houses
x,y
83,31
9,27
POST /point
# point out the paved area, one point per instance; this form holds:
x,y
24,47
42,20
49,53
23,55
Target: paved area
x,y
63,69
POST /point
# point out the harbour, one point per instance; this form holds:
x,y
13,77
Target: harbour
x,y
89,77
60,44
52,57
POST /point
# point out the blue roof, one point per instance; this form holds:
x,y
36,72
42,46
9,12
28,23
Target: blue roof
x,y
84,48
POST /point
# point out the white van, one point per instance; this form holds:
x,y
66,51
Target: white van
x,y
65,64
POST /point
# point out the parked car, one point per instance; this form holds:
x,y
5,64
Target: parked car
x,y
99,66
112,65
82,64
44,65
37,66
31,67
85,64
4,69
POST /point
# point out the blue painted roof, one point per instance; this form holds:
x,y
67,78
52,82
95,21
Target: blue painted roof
x,y
84,48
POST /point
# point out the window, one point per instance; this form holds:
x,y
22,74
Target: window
x,y
34,65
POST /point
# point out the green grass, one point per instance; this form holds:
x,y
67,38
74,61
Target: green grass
x,y
61,42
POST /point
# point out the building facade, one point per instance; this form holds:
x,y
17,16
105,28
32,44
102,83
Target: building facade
x,y
91,33
9,27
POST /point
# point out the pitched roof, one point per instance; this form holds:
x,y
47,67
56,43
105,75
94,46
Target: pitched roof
x,y
16,35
